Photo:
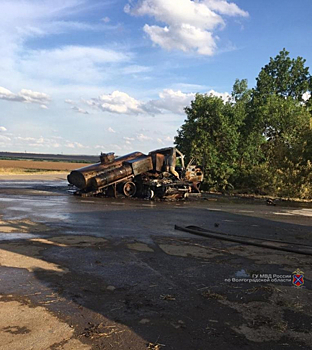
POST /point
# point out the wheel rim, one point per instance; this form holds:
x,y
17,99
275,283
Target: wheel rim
x,y
129,189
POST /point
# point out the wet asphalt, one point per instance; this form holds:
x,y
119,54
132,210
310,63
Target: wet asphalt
x,y
168,293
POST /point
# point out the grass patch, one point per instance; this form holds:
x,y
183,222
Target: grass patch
x,y
20,171
50,160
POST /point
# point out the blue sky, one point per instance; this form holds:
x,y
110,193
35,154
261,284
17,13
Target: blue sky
x,y
85,76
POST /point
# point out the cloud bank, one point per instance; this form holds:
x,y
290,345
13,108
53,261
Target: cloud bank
x,y
189,25
169,101
27,96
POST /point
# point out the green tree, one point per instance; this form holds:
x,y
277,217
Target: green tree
x,y
260,139
280,118
284,76
210,135
249,146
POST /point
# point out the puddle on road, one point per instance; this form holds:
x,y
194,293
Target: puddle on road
x,y
23,209
14,236
303,212
53,216
300,212
7,199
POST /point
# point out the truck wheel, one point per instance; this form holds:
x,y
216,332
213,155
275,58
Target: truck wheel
x,y
129,189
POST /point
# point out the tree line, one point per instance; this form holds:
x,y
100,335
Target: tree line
x,y
259,140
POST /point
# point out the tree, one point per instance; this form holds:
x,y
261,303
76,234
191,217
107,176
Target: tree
x,y
260,139
249,146
285,77
280,115
240,92
210,135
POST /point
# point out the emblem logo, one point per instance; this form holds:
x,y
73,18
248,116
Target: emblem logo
x,y
298,278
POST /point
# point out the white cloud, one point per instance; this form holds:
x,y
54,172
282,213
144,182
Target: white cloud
x,y
6,94
165,140
135,69
4,138
68,53
40,142
25,20
129,138
225,8
29,18
36,9
224,95
34,97
190,24
111,130
114,147
160,141
182,11
76,64
174,101
100,147
184,37
20,138
79,110
2,128
49,143
43,107
142,137
74,145
118,102
27,96
169,101
70,145
58,27
71,102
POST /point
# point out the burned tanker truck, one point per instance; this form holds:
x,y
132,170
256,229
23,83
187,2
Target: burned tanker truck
x,y
138,175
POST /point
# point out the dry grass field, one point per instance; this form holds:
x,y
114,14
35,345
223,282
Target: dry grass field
x,y
11,167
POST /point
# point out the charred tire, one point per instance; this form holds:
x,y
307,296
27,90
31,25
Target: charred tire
x,y
129,189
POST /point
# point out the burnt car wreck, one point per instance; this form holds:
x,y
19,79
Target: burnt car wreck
x,y
155,175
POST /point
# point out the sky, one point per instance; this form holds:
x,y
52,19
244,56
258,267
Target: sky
x,y
89,76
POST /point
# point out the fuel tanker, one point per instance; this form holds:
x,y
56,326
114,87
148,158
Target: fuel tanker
x,y
136,174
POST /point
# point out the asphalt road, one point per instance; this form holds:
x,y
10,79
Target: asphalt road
x,y
114,274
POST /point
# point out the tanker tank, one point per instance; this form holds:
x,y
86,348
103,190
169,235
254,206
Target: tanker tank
x,y
82,178
110,176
